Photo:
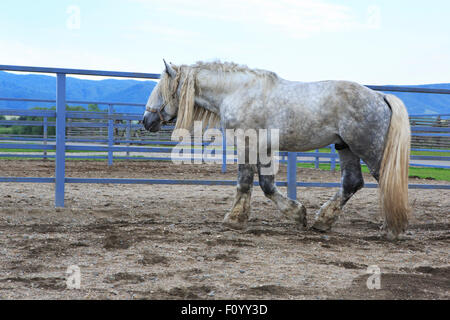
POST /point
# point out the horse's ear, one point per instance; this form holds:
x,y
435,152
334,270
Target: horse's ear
x,y
170,70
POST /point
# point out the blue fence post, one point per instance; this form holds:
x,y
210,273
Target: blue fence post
x,y
60,170
128,134
333,160
292,176
317,162
110,134
45,136
224,151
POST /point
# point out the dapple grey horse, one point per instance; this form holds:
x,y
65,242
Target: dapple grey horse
x,y
363,124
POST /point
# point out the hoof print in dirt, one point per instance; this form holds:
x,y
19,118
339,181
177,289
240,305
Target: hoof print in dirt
x,y
228,256
116,241
271,290
125,277
320,227
150,258
192,292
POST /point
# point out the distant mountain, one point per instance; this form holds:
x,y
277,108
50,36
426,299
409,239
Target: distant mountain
x,y
426,103
44,87
132,91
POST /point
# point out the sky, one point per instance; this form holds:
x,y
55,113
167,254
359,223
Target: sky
x,y
370,42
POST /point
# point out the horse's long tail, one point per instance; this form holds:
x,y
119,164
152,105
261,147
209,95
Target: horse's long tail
x,y
394,169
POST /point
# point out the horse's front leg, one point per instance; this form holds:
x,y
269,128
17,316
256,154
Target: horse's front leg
x,y
238,216
292,209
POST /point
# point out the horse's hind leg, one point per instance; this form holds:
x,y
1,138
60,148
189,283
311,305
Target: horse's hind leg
x,y
352,181
290,208
238,216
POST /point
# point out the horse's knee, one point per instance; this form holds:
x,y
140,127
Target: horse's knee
x,y
243,188
245,178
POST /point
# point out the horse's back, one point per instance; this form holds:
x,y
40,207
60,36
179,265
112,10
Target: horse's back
x,y
328,93
315,114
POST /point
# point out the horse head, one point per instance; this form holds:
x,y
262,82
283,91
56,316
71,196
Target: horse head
x,y
162,106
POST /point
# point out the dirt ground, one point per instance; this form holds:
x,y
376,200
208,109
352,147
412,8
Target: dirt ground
x,y
167,242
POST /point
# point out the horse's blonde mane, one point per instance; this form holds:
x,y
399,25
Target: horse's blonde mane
x,y
188,112
231,67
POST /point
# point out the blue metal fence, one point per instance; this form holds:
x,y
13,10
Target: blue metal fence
x,y
61,146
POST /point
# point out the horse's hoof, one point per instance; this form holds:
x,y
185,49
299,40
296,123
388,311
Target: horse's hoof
x,y
234,225
321,227
300,216
302,224
389,235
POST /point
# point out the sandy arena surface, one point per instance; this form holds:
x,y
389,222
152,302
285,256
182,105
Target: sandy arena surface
x,y
167,242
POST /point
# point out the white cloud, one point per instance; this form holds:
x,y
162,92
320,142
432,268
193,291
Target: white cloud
x,y
175,34
294,18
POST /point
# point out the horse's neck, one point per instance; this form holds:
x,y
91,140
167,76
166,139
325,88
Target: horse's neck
x,y
214,88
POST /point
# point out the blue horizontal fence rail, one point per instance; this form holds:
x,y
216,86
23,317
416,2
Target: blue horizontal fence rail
x,y
62,149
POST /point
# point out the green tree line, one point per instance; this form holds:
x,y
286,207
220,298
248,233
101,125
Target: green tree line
x,y
39,130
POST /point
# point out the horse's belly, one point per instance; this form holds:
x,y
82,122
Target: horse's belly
x,y
306,140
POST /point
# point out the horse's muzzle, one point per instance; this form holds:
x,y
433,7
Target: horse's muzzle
x,y
151,122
